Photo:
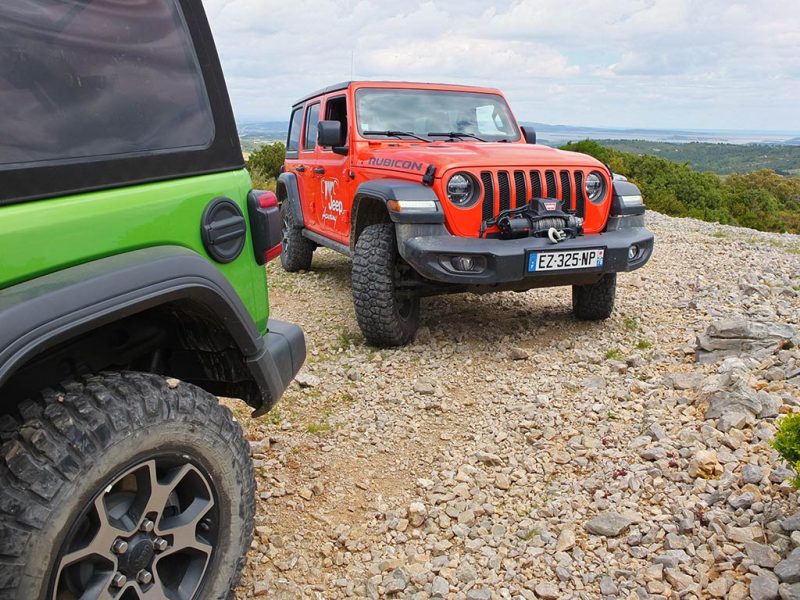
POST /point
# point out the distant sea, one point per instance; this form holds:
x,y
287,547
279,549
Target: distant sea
x,y
259,132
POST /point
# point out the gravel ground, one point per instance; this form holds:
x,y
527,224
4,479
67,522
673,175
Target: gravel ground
x,y
513,452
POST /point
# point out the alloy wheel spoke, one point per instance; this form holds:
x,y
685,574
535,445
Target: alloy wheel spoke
x,y
159,492
101,542
183,528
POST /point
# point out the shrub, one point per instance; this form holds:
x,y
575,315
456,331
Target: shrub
x,y
787,443
762,200
267,160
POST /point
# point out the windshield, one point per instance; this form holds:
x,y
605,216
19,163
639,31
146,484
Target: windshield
x,y
423,112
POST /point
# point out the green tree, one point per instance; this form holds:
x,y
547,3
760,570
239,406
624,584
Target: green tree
x,y
265,164
761,200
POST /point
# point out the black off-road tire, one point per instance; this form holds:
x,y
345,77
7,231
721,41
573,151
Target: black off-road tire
x,y
595,302
385,317
61,452
297,250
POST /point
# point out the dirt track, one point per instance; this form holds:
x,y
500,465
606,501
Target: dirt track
x,y
507,458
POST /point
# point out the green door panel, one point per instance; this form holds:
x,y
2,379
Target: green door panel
x,y
48,235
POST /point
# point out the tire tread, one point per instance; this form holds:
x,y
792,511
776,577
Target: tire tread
x,y
595,302
62,429
373,289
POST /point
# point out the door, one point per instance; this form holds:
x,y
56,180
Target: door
x,y
301,151
333,169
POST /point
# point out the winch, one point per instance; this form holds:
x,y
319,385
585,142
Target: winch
x,y
542,217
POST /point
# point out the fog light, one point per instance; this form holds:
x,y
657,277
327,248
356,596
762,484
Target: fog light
x,y
633,252
463,264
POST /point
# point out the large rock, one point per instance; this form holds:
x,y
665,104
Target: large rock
x,y
764,587
547,590
396,581
684,381
738,336
731,394
789,591
762,555
440,588
609,524
788,570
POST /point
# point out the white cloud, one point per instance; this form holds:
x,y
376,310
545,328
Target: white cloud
x,y
651,63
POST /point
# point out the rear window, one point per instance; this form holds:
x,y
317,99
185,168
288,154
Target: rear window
x,y
295,124
97,79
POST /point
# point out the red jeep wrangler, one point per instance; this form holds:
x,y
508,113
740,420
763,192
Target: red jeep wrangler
x,y
435,189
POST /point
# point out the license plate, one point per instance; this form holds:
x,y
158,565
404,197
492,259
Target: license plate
x,y
565,260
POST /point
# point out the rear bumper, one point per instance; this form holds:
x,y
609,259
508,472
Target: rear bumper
x,y
425,247
282,354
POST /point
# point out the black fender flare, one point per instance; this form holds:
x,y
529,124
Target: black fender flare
x,y
400,189
40,313
289,183
619,208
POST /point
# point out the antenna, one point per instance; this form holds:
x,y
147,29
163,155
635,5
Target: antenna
x,y
352,62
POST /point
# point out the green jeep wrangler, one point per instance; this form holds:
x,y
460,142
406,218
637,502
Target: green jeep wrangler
x,y
132,293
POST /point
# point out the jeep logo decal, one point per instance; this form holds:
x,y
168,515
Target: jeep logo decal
x,y
333,207
406,165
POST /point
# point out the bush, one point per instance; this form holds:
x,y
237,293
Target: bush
x,y
762,200
265,165
787,443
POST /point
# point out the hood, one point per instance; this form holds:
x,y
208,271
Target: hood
x,y
460,155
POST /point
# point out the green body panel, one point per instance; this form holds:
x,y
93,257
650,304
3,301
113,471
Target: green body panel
x,y
44,236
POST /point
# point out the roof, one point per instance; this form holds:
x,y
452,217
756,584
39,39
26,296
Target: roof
x,y
345,84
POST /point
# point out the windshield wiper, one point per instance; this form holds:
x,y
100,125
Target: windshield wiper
x,y
456,134
393,133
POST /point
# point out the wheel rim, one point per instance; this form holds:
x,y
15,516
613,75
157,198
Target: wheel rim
x,y
285,230
150,533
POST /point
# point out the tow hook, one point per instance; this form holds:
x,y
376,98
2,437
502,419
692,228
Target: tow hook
x,y
556,235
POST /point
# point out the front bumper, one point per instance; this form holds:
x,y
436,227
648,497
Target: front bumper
x,y
282,354
424,247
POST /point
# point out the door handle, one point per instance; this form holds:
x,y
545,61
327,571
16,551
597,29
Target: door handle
x,y
319,170
300,168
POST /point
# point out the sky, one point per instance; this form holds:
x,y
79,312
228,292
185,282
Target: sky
x,y
659,64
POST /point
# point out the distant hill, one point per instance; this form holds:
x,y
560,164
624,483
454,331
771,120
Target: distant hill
x,y
255,134
703,150
722,159
761,200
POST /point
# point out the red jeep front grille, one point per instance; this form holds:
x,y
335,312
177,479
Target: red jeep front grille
x,y
565,185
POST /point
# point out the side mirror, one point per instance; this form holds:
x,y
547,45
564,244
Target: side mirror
x,y
329,134
530,134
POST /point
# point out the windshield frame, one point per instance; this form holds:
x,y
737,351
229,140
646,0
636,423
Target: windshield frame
x,y
516,136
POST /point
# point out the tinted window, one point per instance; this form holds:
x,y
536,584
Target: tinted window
x,y
312,119
293,143
435,111
97,78
336,110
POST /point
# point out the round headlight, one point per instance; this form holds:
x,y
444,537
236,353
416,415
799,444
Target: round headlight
x,y
461,189
595,187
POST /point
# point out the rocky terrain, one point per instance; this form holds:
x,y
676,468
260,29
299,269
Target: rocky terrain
x,y
513,452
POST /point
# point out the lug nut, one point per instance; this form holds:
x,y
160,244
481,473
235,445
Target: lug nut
x,y
119,547
144,577
160,544
119,580
147,526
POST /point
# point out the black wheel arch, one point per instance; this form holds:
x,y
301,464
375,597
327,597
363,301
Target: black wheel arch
x,y
370,205
289,192
164,310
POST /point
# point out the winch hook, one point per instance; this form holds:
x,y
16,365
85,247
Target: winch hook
x,y
556,235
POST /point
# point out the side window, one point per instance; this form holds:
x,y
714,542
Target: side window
x,y
312,119
98,79
336,110
295,125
